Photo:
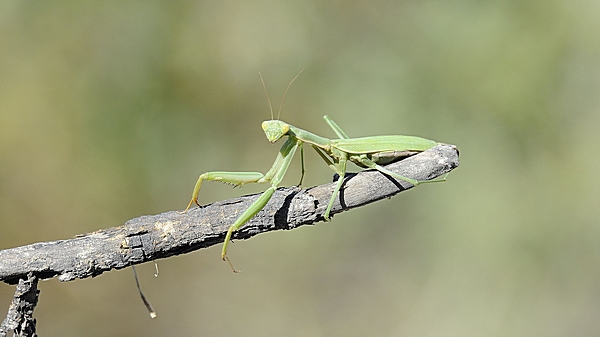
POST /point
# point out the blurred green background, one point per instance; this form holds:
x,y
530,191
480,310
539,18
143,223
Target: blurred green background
x,y
111,110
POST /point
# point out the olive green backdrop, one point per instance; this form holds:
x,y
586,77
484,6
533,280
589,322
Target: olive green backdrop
x,y
111,110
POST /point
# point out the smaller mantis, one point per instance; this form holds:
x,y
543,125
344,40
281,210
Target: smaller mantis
x,y
366,152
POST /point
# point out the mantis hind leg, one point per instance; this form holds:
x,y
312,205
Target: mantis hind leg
x,y
372,165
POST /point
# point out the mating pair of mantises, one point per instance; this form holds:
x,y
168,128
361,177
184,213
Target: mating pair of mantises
x,y
366,152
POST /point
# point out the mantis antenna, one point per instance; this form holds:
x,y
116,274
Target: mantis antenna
x,y
286,90
284,93
266,93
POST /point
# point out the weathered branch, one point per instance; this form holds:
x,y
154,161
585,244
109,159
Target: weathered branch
x,y
153,237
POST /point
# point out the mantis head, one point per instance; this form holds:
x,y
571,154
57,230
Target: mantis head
x,y
275,129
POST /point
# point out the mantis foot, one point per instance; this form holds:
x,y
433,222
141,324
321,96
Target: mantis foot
x,y
188,206
225,258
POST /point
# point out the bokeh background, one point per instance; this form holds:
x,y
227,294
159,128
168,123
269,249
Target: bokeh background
x,y
111,110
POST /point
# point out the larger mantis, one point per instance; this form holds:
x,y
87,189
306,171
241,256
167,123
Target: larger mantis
x,y
366,152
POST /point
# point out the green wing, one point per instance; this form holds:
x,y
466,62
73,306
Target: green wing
x,y
383,144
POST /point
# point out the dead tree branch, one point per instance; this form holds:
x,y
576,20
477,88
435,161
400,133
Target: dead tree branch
x,y
153,237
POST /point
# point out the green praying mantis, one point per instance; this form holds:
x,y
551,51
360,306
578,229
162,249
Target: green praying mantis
x,y
366,152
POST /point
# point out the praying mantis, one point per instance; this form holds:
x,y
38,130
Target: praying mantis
x,y
366,152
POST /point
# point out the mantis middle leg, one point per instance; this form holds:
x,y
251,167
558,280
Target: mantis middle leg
x,y
336,163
